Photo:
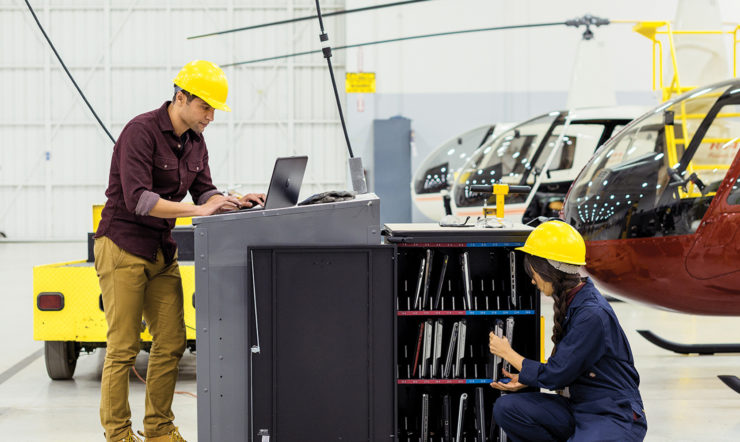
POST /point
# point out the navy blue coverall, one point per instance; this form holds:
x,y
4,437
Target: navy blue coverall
x,y
594,361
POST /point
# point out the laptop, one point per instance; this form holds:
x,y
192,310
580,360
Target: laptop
x,y
285,184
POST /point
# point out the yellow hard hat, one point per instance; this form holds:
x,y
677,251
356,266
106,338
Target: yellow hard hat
x,y
556,241
205,80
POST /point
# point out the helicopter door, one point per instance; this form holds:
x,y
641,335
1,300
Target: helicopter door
x,y
716,163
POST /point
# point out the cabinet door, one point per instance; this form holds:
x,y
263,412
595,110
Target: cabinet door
x,y
326,321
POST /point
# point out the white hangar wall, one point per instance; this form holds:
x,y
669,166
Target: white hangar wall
x,y
54,158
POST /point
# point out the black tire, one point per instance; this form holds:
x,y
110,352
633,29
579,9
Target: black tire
x,y
61,359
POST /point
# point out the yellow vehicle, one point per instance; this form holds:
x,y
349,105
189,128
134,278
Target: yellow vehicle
x,y
68,306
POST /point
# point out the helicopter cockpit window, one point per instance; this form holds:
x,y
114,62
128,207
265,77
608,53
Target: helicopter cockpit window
x,y
438,170
562,160
504,160
435,179
629,188
583,136
734,196
718,148
617,128
708,166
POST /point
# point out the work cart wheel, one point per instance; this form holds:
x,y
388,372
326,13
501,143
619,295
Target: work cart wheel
x,y
61,359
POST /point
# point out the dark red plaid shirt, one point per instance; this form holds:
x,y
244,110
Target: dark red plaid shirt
x,y
150,162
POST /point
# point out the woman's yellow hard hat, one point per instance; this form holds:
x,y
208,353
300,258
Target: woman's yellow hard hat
x,y
556,241
205,80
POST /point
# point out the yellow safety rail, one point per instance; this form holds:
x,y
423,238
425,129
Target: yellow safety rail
x,y
542,340
652,30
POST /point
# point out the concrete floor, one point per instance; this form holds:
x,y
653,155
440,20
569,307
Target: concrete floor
x,y
683,398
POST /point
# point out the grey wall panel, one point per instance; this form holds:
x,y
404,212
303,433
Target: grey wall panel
x,y
392,157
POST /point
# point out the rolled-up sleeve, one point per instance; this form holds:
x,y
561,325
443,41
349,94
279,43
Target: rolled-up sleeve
x,y
582,346
146,203
206,196
135,148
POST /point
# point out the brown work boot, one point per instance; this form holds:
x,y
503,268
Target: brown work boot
x,y
129,437
172,436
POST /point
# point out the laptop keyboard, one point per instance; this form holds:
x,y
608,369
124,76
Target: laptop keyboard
x,y
249,209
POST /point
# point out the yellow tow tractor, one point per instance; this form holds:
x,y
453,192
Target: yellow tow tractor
x,y
68,306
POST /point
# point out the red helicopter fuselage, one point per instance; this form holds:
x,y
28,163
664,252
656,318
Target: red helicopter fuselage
x,y
688,273
659,206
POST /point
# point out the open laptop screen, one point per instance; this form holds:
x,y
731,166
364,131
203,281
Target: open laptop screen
x,y
285,184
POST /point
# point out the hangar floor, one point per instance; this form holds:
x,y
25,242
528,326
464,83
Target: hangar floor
x,y
683,398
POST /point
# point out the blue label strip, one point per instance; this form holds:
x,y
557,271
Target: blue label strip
x,y
499,312
486,381
449,382
494,244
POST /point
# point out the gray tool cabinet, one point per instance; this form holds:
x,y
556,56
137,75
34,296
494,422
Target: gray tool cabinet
x,y
223,294
438,396
314,337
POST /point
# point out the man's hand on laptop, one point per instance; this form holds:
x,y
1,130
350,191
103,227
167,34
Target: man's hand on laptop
x,y
252,199
218,204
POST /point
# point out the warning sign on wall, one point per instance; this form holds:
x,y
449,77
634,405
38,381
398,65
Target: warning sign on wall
x,y
360,82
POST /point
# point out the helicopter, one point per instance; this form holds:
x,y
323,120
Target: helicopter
x,y
659,209
433,178
545,152
659,205
593,114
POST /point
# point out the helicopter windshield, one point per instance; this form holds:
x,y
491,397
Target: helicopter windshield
x,y
658,176
436,172
506,159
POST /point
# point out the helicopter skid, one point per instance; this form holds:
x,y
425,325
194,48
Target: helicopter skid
x,y
731,381
702,349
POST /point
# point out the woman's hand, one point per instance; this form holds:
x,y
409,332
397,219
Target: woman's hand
x,y
502,348
498,346
512,385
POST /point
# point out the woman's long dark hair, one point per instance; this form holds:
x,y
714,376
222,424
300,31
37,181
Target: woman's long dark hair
x,y
561,282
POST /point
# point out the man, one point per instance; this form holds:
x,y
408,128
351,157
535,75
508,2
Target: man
x,y
158,158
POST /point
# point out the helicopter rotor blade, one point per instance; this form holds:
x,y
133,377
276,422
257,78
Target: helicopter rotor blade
x,y
393,40
311,17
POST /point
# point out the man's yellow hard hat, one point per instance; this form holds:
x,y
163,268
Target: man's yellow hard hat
x,y
205,80
556,241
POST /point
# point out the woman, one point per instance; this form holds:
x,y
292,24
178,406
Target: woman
x,y
591,362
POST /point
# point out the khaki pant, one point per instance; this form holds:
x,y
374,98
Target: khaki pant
x,y
131,287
